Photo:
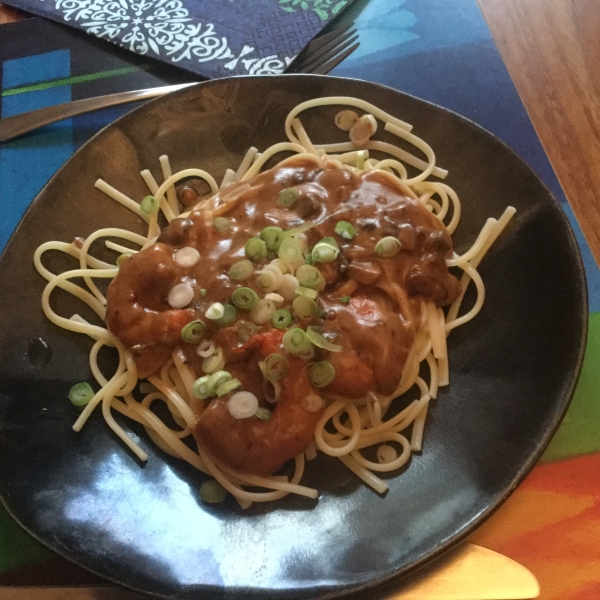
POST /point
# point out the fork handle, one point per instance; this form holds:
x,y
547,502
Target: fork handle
x,y
12,127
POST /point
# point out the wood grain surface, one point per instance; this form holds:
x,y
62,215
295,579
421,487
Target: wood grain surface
x,y
7,15
552,51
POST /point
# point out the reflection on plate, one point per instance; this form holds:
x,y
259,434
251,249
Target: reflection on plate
x,y
513,371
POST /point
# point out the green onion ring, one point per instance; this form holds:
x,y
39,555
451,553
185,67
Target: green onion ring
x,y
228,386
345,230
212,492
272,236
281,318
304,307
264,414
256,250
245,298
201,388
229,316
324,252
388,246
240,270
317,339
321,374
288,197
275,367
149,205
193,332
296,341
81,393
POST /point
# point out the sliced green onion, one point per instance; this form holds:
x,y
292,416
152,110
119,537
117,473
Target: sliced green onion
x,y
280,265
304,307
317,339
309,259
288,197
388,246
272,236
245,298
275,367
288,287
193,332
296,341
221,224
149,205
201,388
345,299
324,252
269,280
264,414
203,293
304,291
123,257
206,349
276,299
242,405
212,492
81,393
290,253
213,363
216,379
246,330
345,230
329,240
229,316
241,270
321,374
281,318
256,250
215,311
262,312
228,386
309,276
187,256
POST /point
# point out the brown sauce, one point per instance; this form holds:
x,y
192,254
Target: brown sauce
x,y
376,328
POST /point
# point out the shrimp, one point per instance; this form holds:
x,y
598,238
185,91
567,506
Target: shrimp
x,y
138,312
375,344
252,445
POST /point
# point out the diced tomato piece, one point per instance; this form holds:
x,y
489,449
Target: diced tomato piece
x,y
269,342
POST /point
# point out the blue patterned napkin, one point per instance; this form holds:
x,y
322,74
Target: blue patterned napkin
x,y
213,38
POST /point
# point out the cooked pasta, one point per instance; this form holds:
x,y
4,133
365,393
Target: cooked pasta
x,y
283,313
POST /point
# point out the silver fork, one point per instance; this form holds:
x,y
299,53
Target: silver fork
x,y
320,56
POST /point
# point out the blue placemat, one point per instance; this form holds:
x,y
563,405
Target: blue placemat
x,y
211,38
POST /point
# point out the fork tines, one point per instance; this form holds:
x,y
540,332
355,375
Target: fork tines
x,y
326,51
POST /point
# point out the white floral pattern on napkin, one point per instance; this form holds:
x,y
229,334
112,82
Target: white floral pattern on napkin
x,y
164,28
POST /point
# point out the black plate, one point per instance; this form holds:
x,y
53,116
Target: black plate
x,y
513,371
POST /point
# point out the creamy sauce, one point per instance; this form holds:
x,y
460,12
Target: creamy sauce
x,y
376,328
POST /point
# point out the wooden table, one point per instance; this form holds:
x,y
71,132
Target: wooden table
x,y
552,51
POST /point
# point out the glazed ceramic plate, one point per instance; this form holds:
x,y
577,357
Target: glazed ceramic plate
x,y
512,372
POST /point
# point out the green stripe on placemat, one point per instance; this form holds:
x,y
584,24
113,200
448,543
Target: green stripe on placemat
x,y
70,81
579,432
17,548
